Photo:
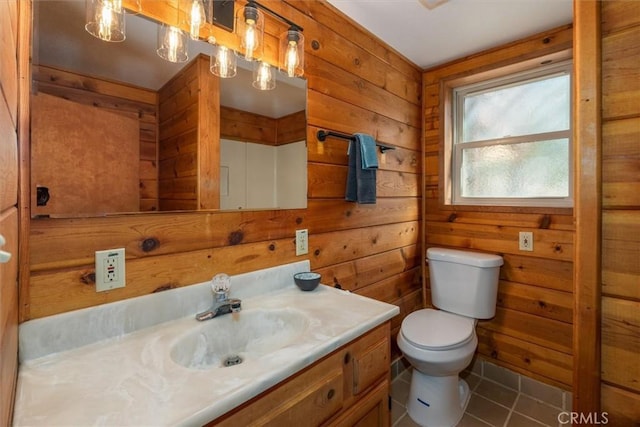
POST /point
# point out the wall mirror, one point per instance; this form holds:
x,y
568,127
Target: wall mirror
x,y
100,114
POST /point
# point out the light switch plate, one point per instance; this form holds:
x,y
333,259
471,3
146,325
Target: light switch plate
x,y
302,242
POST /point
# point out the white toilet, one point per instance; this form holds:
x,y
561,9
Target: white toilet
x,y
439,344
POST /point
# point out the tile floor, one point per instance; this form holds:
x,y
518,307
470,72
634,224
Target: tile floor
x,y
492,404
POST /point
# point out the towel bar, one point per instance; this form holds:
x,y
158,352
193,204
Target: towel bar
x,y
323,134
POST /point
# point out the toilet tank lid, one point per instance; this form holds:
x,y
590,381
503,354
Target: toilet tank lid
x,y
477,259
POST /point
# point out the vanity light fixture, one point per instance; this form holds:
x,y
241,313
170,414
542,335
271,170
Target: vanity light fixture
x,y
292,52
250,29
173,42
196,18
223,60
263,76
105,20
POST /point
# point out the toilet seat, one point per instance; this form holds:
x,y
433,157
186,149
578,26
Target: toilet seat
x,y
437,330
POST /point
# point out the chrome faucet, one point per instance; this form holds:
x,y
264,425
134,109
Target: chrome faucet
x,y
222,303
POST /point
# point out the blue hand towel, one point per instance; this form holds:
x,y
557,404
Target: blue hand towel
x,y
361,182
369,150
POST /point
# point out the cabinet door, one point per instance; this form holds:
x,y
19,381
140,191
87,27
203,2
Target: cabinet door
x,y
370,411
370,365
309,399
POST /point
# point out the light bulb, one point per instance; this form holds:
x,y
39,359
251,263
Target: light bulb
x,y
105,20
291,58
292,52
263,78
223,60
197,18
172,44
250,39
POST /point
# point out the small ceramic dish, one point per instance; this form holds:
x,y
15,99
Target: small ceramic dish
x,y
307,281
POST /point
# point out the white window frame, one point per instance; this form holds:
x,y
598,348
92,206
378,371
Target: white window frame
x,y
453,150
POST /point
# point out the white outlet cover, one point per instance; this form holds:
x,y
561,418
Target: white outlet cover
x,y
302,242
110,269
525,241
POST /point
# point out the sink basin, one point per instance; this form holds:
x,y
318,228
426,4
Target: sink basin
x,y
248,335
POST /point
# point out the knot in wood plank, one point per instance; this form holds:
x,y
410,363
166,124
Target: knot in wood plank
x,y
149,244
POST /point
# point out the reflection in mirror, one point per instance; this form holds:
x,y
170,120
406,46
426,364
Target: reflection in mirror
x,y
117,129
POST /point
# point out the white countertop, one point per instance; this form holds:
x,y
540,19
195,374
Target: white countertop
x,y
131,379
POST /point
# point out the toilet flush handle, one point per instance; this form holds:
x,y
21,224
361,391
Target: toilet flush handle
x,y
4,256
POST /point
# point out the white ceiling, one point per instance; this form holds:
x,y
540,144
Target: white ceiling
x,y
453,28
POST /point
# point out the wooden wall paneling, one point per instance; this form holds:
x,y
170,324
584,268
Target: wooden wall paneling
x,y
178,114
9,65
11,125
68,289
340,246
621,253
168,233
117,98
326,15
542,331
360,92
535,300
8,158
553,244
620,73
334,114
247,127
328,181
587,143
620,394
8,313
208,136
67,155
621,343
622,406
291,128
339,46
535,361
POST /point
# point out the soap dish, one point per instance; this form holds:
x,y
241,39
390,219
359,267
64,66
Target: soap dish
x,y
307,281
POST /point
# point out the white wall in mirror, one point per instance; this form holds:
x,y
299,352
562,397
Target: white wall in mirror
x,y
261,176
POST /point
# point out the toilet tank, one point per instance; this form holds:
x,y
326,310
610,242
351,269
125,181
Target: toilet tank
x,y
464,282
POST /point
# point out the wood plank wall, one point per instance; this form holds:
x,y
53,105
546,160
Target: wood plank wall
x,y
355,84
189,139
248,127
115,97
621,212
532,330
9,95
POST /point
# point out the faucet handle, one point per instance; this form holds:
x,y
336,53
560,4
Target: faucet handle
x,y
221,283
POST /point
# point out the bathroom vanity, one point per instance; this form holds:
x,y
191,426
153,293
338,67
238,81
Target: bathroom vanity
x,y
308,358
348,387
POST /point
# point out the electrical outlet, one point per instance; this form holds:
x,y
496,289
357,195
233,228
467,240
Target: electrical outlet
x,y
525,241
110,269
302,242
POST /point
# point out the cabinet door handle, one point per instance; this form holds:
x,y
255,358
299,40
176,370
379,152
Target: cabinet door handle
x,y
4,256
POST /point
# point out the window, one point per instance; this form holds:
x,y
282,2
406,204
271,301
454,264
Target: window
x,y
510,141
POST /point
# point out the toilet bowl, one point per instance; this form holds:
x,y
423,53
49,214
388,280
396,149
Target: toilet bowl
x,y
439,344
438,353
